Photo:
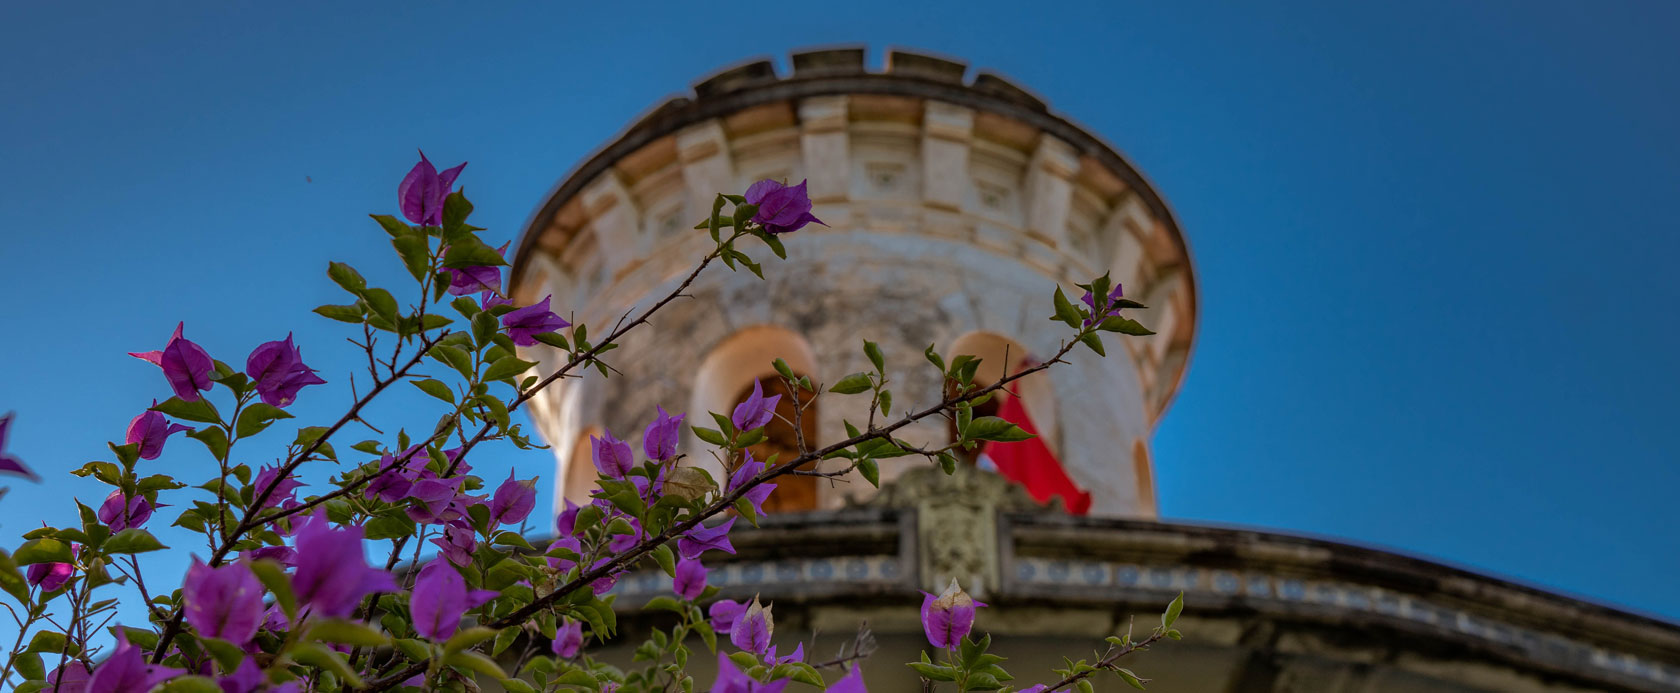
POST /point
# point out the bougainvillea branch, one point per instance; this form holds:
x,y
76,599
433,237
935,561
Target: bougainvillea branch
x,y
287,601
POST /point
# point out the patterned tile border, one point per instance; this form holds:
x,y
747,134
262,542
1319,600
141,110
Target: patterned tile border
x,y
839,570
1352,597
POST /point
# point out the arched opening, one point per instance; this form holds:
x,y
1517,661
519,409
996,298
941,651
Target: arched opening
x,y
581,476
727,377
1144,471
782,436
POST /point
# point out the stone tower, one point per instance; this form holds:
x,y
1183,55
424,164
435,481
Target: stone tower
x,y
955,204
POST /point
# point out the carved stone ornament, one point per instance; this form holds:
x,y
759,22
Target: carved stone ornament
x,y
956,522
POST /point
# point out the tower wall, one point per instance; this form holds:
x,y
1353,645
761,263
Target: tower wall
x,y
953,208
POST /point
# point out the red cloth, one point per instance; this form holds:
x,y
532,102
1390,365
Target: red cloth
x,y
1031,464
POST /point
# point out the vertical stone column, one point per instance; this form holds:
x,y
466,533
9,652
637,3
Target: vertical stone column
x,y
1049,189
826,146
946,131
616,220
707,167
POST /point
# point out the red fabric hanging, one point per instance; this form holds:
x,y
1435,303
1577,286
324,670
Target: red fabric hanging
x,y
1030,462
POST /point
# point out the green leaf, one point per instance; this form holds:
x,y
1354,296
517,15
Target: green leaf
x,y
213,439
1172,612
317,655
389,527
416,254
275,581
1131,678
507,367
393,225
46,641
1091,340
382,303
468,251
933,672
11,579
852,384
454,358
689,483
873,351
871,471
710,436
133,541
1065,310
467,637
1127,326
348,633
347,277
191,684
201,411
258,416
43,550
456,209
994,428
435,389
351,313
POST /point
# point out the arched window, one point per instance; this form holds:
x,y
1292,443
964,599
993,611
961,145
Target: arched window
x,y
727,377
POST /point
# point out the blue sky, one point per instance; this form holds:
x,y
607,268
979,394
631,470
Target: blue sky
x,y
1433,239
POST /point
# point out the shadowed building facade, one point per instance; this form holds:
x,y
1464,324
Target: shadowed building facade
x,y
954,205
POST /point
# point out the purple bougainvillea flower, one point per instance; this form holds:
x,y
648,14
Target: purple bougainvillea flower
x,y
8,463
797,655
753,628
1035,688
568,639
457,543
659,441
491,299
284,555
126,671
781,208
332,573
750,468
852,682
50,576
70,678
723,613
756,411
605,583
612,456
185,365
731,679
389,486
439,600
513,501
523,325
120,513
690,580
423,191
283,488
224,602
149,430
949,617
472,280
248,678
702,539
278,371
1108,307
565,524
436,500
